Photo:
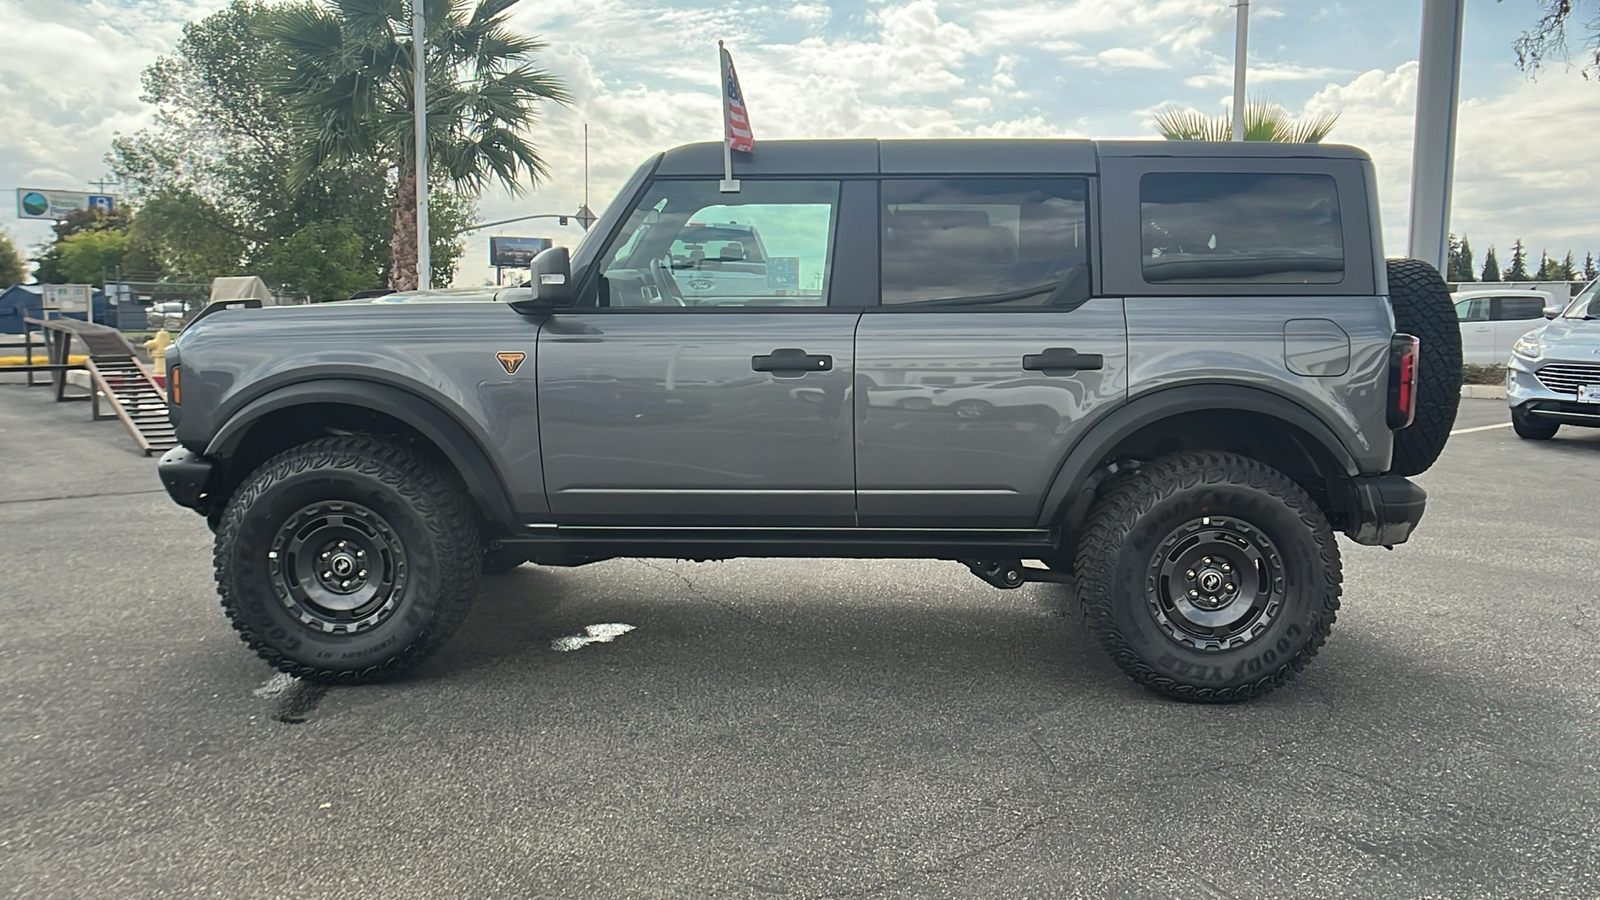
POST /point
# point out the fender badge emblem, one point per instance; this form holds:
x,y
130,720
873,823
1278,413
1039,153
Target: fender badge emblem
x,y
511,360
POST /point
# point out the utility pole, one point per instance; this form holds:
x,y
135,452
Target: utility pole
x,y
419,88
1434,149
1240,42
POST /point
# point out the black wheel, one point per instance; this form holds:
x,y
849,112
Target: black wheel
x,y
349,558
1422,308
1209,577
500,560
1532,428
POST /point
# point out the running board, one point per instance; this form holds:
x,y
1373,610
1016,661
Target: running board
x,y
581,542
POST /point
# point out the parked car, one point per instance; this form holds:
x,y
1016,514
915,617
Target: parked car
x,y
1492,320
168,314
1554,375
1170,371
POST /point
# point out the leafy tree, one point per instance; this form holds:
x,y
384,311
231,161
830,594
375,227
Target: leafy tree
x,y
12,268
322,260
87,256
211,175
1459,260
1589,273
1262,122
51,258
348,88
1491,267
1548,38
1546,270
1519,263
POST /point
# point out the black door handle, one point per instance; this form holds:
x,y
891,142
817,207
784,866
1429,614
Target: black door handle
x,y
1062,360
791,363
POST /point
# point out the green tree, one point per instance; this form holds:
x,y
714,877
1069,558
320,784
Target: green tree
x,y
349,92
1458,262
1262,122
1519,263
211,175
322,260
1567,269
1491,267
51,258
1589,272
1546,270
12,268
1548,38
86,257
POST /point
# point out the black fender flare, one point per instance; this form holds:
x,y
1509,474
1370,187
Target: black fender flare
x,y
1086,460
484,484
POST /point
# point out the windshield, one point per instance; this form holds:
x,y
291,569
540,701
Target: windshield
x,y
1585,305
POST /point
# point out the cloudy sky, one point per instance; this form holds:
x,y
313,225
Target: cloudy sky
x,y
644,77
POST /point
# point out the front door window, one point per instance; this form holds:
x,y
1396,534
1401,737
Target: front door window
x,y
687,245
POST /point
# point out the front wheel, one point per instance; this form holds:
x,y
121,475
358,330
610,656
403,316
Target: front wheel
x,y
349,558
1532,428
1209,576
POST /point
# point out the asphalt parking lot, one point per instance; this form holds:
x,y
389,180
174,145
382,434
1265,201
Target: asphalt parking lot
x,y
795,728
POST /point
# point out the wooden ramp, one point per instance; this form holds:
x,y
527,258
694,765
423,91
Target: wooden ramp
x,y
117,379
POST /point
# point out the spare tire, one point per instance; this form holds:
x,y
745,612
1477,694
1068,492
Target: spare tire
x,y
1422,308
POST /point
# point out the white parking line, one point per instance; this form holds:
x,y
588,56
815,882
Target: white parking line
x,y
1480,428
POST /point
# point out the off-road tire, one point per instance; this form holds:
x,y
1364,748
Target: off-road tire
x,y
418,506
1533,428
1422,308
500,560
1117,561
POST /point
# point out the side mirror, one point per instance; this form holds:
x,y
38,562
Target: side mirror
x,y
549,281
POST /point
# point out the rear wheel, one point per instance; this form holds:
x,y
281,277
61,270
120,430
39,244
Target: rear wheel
x,y
1209,576
1532,427
349,558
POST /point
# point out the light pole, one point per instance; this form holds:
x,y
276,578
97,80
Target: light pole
x,y
1434,147
1240,40
419,103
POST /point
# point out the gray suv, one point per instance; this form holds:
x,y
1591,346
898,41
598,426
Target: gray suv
x,y
1165,373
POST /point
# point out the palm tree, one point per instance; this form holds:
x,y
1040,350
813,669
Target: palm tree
x,y
349,86
1262,122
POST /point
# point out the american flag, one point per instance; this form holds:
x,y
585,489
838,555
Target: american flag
x,y
736,127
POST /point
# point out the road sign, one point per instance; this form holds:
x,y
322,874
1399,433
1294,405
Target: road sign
x,y
39,204
515,252
67,298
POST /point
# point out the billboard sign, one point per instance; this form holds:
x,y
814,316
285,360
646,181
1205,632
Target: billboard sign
x,y
38,204
515,252
67,298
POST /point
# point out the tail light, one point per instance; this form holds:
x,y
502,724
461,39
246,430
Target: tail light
x,y
1404,351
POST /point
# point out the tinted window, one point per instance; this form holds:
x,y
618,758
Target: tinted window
x,y
689,245
985,242
1515,308
1473,310
1256,229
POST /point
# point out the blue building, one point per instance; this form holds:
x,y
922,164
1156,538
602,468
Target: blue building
x,y
21,300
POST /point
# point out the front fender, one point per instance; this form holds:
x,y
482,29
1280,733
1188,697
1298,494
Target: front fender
x,y
484,482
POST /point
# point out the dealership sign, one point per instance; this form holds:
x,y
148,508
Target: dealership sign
x,y
37,204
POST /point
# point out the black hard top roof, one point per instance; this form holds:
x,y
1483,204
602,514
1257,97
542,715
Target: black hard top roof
x,y
961,156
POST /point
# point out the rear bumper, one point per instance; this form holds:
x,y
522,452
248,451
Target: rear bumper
x,y
187,477
1384,509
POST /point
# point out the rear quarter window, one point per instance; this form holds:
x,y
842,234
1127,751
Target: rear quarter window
x,y
1200,228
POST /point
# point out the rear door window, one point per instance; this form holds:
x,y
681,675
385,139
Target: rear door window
x,y
985,243
1512,309
1242,228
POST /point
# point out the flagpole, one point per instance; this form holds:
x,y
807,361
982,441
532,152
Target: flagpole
x,y
729,185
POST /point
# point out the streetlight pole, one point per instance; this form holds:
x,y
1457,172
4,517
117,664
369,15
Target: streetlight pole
x,y
1240,41
419,101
